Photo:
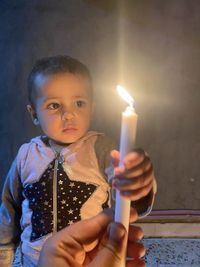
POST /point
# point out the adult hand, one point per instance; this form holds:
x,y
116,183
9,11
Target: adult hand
x,y
95,242
136,178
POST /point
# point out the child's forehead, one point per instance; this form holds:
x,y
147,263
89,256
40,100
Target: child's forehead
x,y
62,83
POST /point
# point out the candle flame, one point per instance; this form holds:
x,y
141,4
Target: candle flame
x,y
125,95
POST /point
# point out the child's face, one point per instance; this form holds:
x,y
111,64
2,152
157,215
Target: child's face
x,y
63,107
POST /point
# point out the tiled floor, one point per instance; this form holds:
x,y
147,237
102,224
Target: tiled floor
x,y
168,252
172,238
172,252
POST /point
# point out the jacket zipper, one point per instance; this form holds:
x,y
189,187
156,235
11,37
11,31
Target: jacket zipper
x,y
55,193
58,159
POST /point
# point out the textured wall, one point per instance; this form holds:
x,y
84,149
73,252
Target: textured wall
x,y
152,47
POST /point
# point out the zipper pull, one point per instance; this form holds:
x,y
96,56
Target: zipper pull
x,y
59,157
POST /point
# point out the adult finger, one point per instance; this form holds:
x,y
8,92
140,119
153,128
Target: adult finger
x,y
113,250
71,243
136,263
135,249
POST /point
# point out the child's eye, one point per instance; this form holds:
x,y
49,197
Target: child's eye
x,y
53,106
80,103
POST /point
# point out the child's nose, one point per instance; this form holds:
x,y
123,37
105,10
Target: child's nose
x,y
67,115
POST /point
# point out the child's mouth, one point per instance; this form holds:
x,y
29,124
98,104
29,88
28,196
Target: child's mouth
x,y
69,129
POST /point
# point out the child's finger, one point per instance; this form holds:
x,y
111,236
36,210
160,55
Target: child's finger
x,y
134,195
115,157
134,158
131,159
137,170
134,183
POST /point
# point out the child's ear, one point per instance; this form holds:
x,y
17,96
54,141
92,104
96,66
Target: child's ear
x,y
33,114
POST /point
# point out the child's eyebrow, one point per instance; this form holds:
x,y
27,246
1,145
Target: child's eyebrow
x,y
80,96
51,99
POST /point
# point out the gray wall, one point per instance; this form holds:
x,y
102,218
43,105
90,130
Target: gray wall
x,y
152,47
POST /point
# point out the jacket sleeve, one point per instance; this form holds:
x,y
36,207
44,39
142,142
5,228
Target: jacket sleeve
x,y
103,148
10,214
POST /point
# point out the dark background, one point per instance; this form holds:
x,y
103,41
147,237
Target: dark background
x,y
151,47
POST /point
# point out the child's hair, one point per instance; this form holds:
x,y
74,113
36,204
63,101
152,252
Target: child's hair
x,y
55,65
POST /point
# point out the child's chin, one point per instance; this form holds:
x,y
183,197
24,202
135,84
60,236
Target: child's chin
x,y
70,140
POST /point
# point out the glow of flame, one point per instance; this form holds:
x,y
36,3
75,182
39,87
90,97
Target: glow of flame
x,y
125,95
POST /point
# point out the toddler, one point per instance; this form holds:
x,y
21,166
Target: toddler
x,y
62,176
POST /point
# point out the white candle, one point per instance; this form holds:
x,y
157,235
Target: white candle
x,y
127,141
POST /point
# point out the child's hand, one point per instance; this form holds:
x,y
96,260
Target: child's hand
x,y
134,180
